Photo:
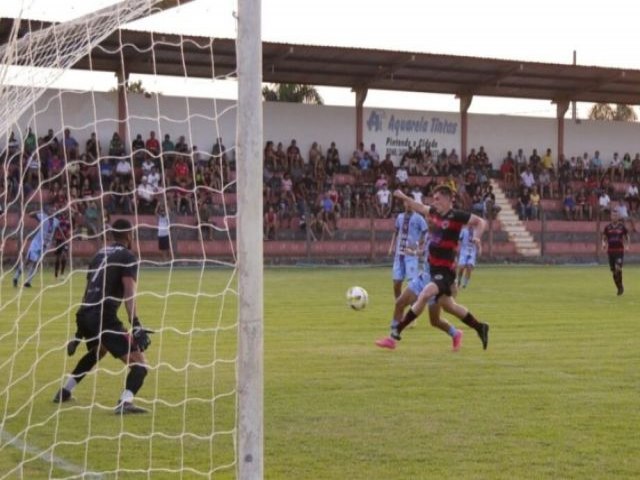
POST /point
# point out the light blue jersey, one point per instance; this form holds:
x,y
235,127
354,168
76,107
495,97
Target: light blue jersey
x,y
409,231
468,249
43,236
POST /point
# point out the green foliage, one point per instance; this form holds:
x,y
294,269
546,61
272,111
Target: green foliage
x,y
554,396
291,92
604,111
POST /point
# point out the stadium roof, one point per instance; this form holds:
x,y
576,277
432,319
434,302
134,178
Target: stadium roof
x,y
357,68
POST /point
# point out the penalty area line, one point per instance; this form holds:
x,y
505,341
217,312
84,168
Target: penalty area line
x,y
46,456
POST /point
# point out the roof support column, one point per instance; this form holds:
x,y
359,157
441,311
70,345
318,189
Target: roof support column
x,y
123,113
361,96
561,110
465,103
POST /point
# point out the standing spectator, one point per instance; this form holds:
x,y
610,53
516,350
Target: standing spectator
x,y
333,157
292,152
386,166
616,168
535,162
270,224
547,162
116,147
164,232
383,204
138,151
604,204
596,167
153,146
70,145
453,162
92,148
168,152
219,151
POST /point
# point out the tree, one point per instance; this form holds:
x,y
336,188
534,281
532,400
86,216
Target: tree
x,y
604,111
291,92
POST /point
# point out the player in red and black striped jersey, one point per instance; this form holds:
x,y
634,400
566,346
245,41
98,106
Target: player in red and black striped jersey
x,y
446,224
615,240
61,239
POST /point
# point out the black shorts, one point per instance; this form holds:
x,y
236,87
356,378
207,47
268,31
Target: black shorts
x,y
111,334
616,259
163,243
444,279
61,247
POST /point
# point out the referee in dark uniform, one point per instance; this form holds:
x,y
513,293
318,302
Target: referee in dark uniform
x,y
111,280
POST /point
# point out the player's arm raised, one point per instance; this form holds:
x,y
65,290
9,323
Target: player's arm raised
x,y
479,225
416,206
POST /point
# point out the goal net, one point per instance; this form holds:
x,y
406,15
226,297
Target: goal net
x,y
91,133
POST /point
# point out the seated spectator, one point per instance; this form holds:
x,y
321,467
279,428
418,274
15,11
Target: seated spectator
x,y
319,228
122,195
387,167
615,169
527,180
146,195
546,184
124,170
569,205
582,207
524,204
347,201
535,162
604,205
626,167
402,176
632,197
547,162
146,166
270,224
383,203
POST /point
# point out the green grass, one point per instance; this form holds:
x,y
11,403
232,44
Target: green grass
x,y
554,397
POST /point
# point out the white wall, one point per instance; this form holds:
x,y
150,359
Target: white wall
x,y
201,120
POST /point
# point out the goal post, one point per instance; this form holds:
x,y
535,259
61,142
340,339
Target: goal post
x,y
250,251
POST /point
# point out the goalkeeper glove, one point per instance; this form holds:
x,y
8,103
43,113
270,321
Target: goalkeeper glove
x,y
72,346
140,335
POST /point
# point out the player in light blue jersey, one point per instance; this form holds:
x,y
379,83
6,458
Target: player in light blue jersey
x,y
466,257
407,238
41,241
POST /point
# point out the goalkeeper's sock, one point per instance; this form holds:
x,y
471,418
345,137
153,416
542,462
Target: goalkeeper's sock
x,y
63,264
71,384
56,267
135,378
84,366
127,396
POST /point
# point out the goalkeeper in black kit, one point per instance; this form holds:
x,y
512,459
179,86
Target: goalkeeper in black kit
x,y
111,280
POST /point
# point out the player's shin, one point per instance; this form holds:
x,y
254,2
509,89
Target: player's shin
x,y
135,378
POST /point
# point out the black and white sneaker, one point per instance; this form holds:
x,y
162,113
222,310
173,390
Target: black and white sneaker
x,y
483,333
62,395
126,408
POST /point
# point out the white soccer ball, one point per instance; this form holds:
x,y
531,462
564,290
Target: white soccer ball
x,y
357,298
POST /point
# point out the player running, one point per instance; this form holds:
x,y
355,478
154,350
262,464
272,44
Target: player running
x,y
615,240
111,280
446,225
466,257
40,243
410,227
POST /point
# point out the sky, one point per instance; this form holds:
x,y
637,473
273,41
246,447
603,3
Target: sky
x,y
602,34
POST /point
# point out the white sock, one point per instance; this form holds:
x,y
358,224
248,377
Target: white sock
x,y
127,396
71,384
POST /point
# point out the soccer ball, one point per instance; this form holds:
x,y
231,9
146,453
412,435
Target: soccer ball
x,y
357,298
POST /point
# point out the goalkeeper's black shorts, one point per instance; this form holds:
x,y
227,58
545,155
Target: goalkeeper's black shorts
x,y
112,336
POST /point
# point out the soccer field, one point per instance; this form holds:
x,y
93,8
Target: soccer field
x,y
554,396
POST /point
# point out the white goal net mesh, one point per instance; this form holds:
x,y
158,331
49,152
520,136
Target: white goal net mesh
x,y
80,158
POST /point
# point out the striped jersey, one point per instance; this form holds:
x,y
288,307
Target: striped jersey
x,y
445,234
